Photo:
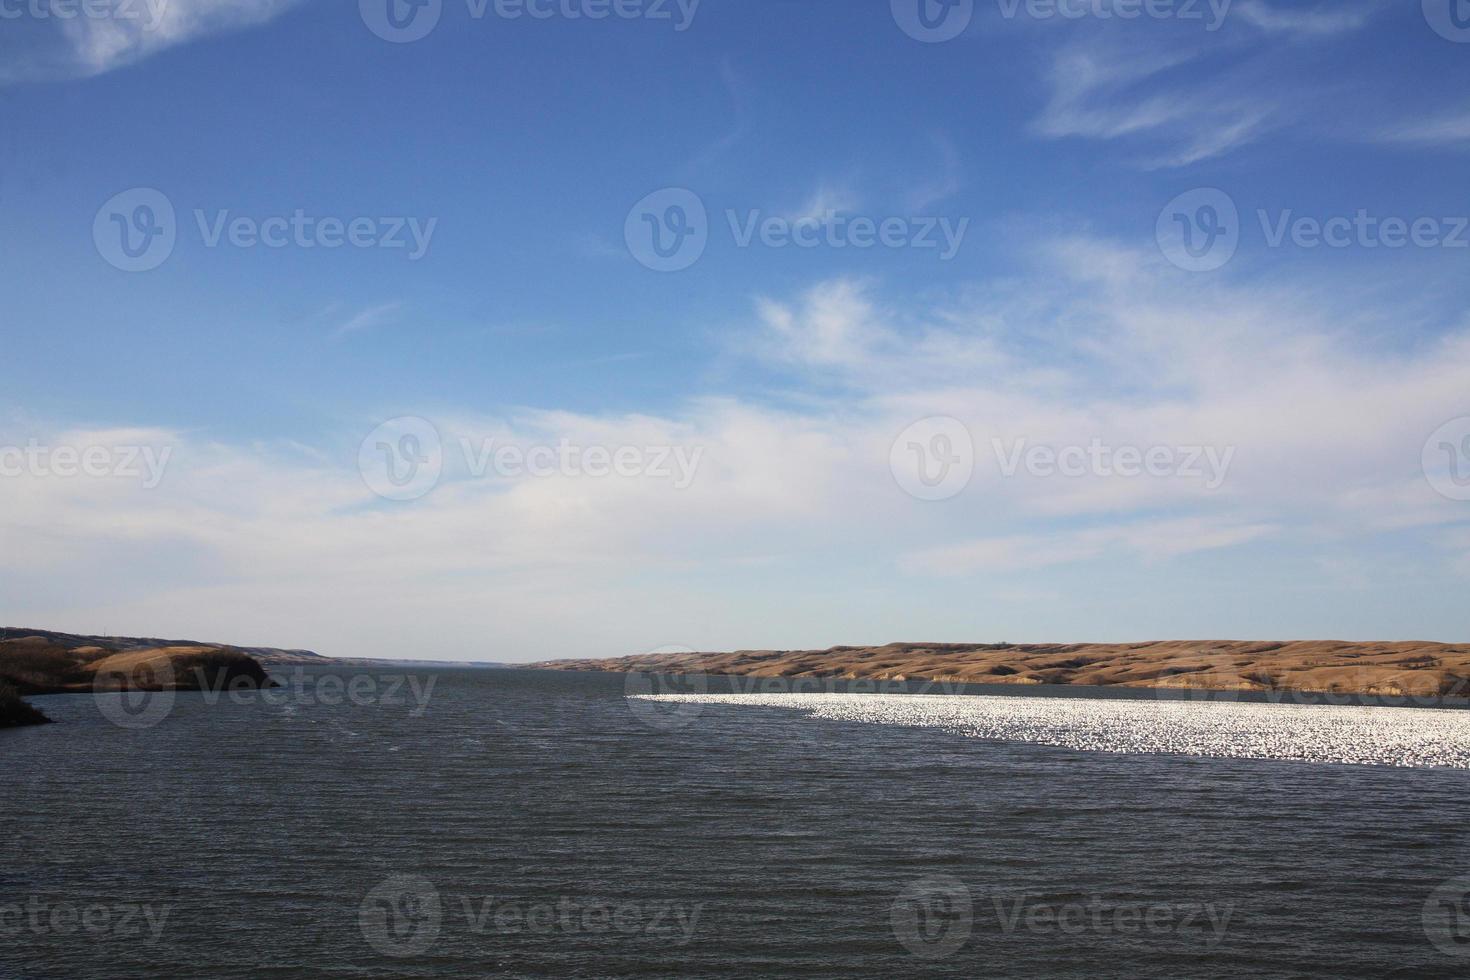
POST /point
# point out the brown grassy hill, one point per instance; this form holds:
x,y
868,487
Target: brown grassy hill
x,y
1413,669
120,644
49,663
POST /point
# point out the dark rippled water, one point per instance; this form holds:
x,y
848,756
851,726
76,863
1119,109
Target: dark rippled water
x,y
531,824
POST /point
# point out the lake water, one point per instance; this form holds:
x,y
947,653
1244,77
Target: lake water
x,y
539,824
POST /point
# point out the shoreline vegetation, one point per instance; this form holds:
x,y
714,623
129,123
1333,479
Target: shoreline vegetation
x,y
14,712
1408,669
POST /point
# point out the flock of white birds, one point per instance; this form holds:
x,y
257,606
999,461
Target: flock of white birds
x,y
1388,736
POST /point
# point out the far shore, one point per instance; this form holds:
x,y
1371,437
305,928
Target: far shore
x,y
1407,669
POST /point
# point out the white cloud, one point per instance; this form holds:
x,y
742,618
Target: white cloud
x,y
1445,130
366,318
946,182
1102,93
1181,100
82,46
1323,20
1150,541
824,203
277,544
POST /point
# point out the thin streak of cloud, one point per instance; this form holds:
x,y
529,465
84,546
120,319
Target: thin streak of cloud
x,y
947,182
824,203
1448,130
372,316
1150,541
1098,94
740,125
1320,21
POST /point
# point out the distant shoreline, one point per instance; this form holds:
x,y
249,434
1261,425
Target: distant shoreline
x,y
1409,669
36,662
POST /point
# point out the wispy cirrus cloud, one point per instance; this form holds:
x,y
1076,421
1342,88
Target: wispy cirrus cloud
x,y
1146,540
823,204
120,33
365,319
947,180
1102,94
1451,129
1321,20
1181,100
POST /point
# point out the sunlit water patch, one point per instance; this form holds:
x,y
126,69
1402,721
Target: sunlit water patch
x,y
1409,737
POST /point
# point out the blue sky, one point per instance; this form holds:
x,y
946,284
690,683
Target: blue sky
x,y
1054,142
